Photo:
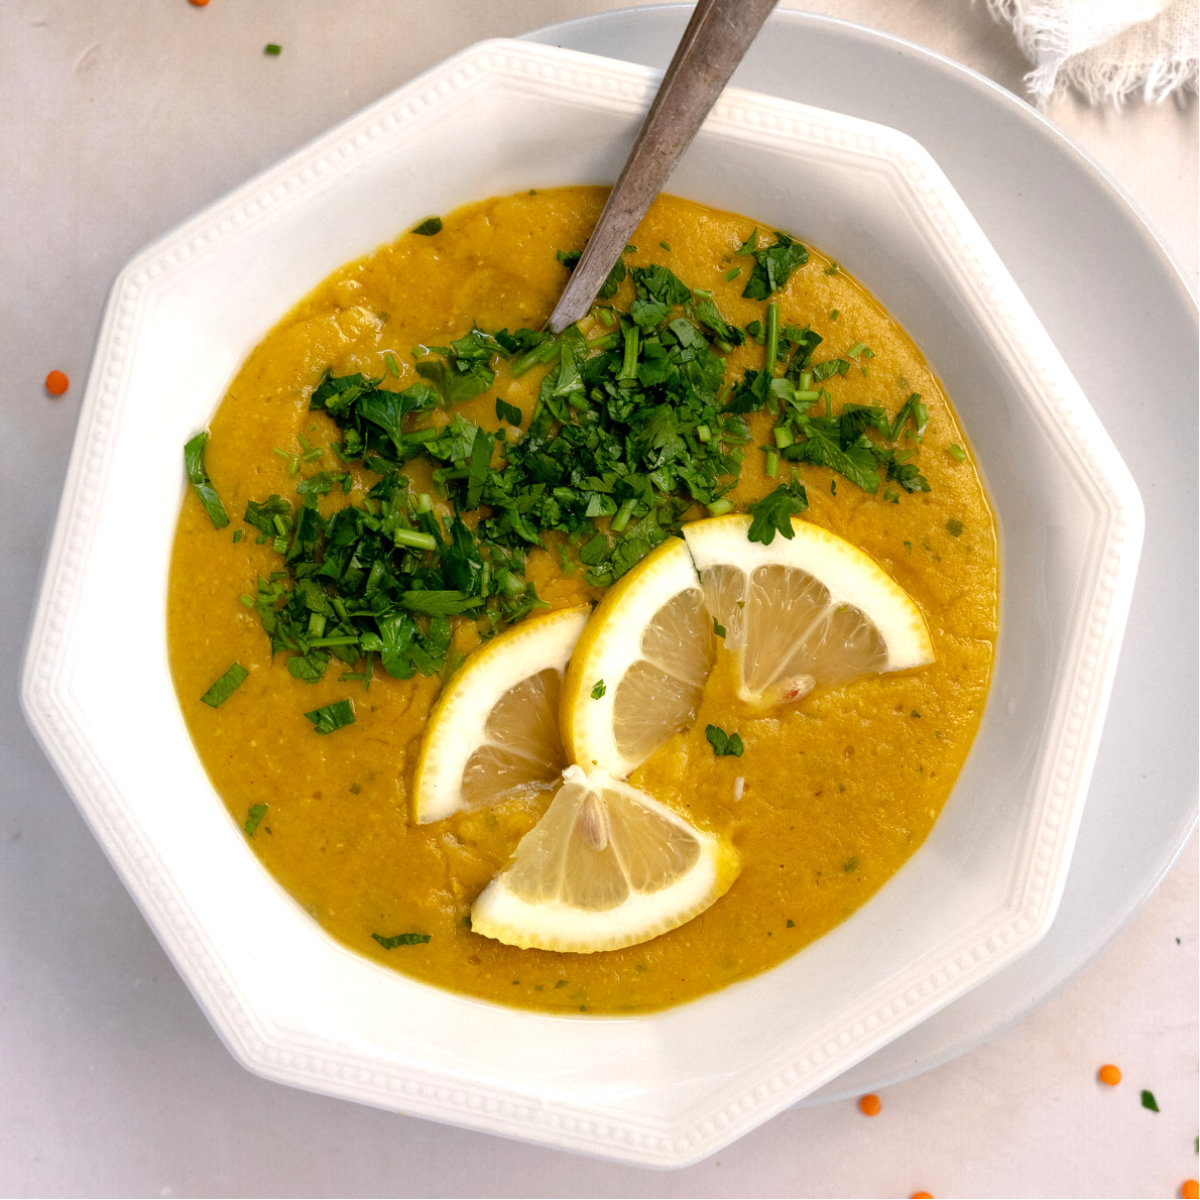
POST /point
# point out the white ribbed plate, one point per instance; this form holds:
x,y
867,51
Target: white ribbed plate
x,y
669,1088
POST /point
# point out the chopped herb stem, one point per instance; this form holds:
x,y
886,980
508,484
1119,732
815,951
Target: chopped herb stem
x,y
415,539
629,364
772,336
624,513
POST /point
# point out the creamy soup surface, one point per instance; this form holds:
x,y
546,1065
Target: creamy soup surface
x,y
829,798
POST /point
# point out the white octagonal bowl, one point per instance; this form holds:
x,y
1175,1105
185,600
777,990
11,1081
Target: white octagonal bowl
x,y
667,1088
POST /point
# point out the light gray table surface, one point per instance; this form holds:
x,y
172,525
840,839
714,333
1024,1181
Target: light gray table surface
x,y
121,118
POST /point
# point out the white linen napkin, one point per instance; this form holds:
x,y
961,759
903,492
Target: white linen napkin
x,y
1106,49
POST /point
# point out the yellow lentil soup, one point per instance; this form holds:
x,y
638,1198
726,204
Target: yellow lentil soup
x,y
829,797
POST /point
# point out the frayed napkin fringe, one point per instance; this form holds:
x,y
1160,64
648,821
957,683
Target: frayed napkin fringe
x,y
1045,36
1117,82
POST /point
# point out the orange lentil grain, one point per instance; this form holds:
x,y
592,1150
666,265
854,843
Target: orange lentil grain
x,y
869,1105
199,3
1190,1189
922,1196
1109,1074
57,383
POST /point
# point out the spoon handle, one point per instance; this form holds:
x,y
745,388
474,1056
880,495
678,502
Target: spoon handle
x,y
715,41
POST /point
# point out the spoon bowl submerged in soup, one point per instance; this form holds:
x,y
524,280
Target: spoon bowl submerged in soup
x,y
409,466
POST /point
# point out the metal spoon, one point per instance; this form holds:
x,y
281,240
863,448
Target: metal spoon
x,y
715,41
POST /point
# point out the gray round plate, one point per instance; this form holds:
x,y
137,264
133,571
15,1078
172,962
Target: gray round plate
x,y
1123,318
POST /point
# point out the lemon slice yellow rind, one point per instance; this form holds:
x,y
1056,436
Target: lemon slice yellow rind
x,y
609,648
458,723
510,911
852,576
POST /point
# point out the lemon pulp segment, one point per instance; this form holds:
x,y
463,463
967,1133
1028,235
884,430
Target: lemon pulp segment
x,y
639,669
495,730
608,866
806,610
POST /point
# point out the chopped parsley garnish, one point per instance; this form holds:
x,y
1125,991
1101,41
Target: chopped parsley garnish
x,y
429,227
612,282
954,527
507,412
772,265
254,818
273,49
225,686
193,461
1148,1101
333,716
635,429
401,939
724,744
773,513
598,689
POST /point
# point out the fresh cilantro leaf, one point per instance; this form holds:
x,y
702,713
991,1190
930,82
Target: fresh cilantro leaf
x,y
254,816
773,513
1148,1101
773,265
830,367
193,461
661,285
705,310
333,716
440,603
649,313
309,667
389,409
429,227
724,744
225,686
901,470
508,412
823,448
454,385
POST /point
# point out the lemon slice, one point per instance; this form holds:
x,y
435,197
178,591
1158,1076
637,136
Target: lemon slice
x,y
607,866
494,731
638,671
806,610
